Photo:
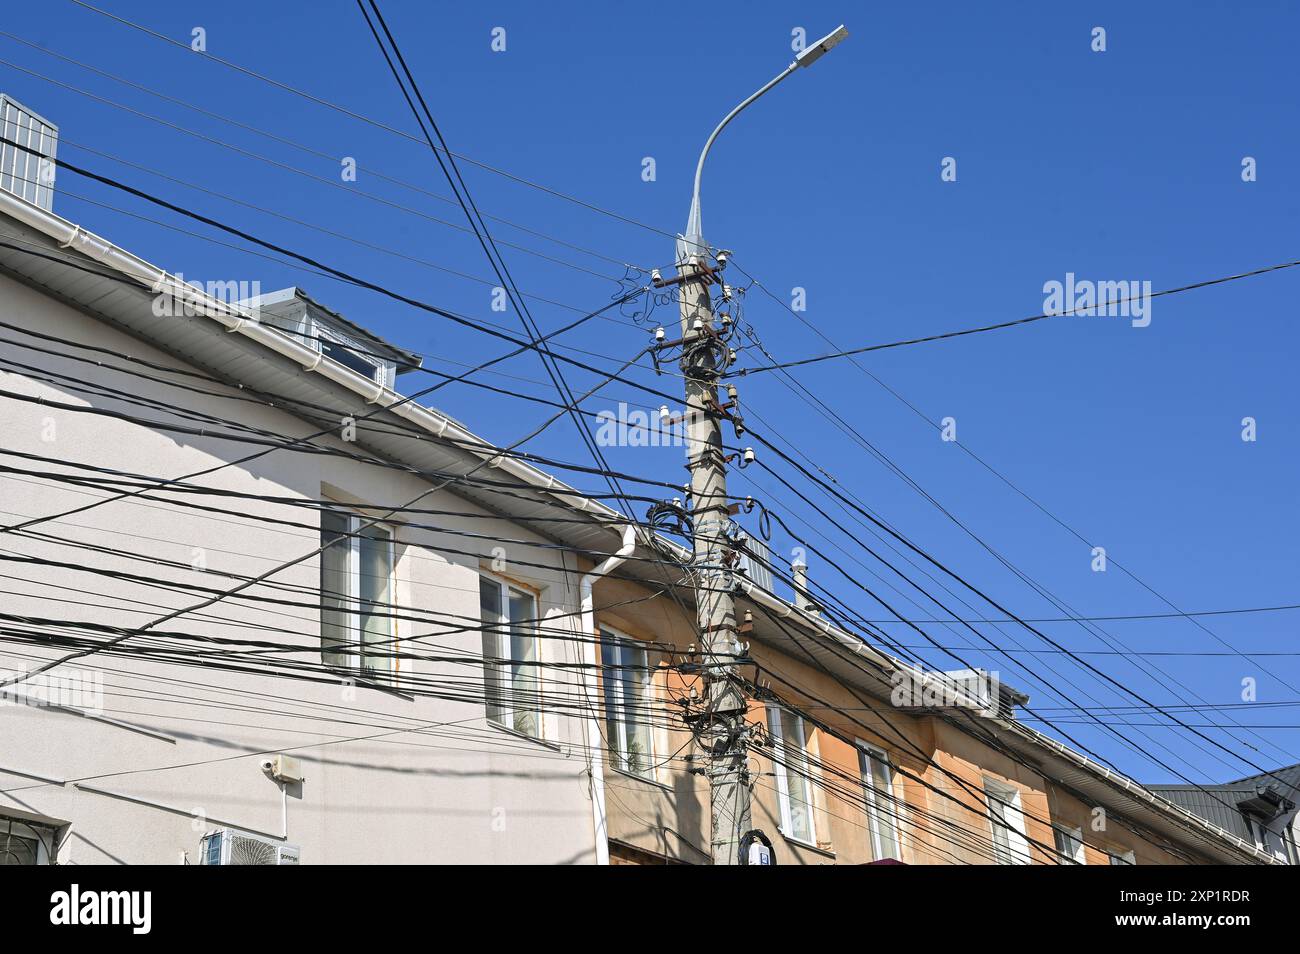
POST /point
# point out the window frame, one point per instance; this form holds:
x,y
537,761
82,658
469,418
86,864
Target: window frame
x,y
874,754
1127,857
504,691
29,832
784,801
354,655
617,725
1016,843
1075,834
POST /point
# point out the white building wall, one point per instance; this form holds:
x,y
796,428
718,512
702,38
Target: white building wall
x,y
388,779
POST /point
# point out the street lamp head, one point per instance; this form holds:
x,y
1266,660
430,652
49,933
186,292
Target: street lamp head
x,y
812,54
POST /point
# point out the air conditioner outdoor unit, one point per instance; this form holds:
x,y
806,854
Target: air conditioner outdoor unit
x,y
227,846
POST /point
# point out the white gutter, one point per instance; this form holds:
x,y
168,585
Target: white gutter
x,y
595,743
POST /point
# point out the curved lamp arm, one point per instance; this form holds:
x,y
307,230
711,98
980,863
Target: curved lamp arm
x,y
694,238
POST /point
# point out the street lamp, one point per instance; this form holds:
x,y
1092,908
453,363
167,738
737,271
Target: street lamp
x,y
704,356
693,241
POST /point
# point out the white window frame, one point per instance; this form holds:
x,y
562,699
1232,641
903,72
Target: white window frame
x,y
1010,845
1073,844
506,692
618,741
784,801
356,660
894,810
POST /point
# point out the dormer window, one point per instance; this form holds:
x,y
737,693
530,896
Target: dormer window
x,y
348,354
310,323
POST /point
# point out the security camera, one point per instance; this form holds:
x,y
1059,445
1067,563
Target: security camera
x,y
268,766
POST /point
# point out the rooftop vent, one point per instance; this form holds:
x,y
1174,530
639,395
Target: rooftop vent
x,y
29,174
984,690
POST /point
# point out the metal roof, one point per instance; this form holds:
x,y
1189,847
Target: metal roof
x,y
1225,805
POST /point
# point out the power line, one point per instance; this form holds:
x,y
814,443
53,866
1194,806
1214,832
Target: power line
x,y
1011,324
1000,608
283,140
1087,624
372,122
338,273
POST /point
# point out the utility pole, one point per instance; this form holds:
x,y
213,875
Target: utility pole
x,y
705,355
722,732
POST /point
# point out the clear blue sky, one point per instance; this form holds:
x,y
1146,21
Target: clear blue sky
x,y
1122,165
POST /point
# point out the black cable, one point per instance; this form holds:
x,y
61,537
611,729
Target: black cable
x,y
1082,662
1011,324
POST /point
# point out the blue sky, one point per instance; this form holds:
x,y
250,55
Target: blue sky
x,y
1122,165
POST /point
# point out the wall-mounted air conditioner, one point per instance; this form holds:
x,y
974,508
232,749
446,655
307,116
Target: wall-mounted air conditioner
x,y
228,846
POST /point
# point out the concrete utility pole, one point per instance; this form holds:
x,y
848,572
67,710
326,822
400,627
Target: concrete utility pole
x,y
722,731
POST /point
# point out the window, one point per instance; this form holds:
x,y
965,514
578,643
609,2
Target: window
x,y
626,680
350,355
24,844
1069,845
793,774
510,659
1007,821
883,809
1123,858
357,629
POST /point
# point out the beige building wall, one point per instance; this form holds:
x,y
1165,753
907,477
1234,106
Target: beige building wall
x,y
938,820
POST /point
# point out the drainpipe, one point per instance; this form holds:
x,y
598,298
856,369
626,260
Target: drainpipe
x,y
595,744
